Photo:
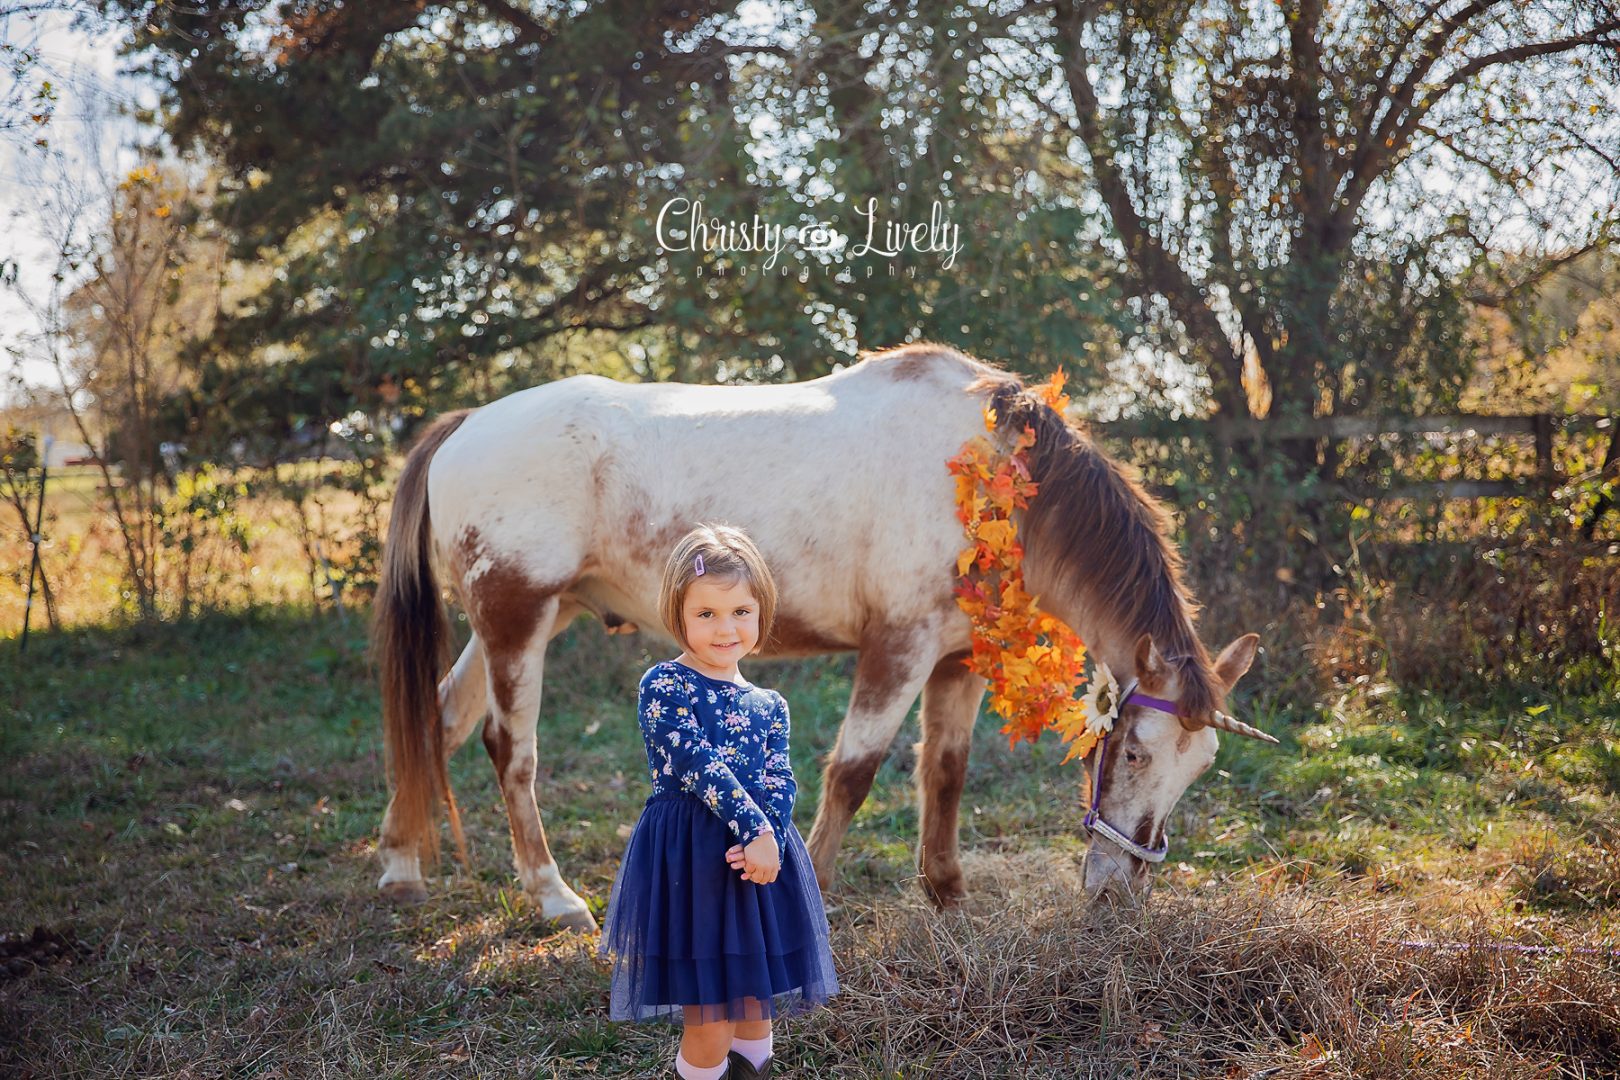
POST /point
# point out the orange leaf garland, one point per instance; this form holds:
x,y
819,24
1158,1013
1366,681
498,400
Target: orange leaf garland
x,y
1032,661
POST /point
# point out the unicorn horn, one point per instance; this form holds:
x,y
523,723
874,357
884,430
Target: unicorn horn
x,y
1238,727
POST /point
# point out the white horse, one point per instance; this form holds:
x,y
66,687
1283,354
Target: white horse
x,y
567,498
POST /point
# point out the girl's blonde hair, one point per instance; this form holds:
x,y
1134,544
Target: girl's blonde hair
x,y
729,555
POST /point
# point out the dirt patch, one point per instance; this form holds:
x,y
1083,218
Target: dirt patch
x,y
22,953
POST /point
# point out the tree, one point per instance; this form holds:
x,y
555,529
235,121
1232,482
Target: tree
x,y
1278,174
462,198
476,204
28,96
133,277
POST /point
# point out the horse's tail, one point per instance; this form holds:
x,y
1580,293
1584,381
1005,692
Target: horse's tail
x,y
411,643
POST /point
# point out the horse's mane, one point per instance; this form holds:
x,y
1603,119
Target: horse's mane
x,y
1105,538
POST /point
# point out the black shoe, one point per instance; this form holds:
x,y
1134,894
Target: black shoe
x,y
729,1074
743,1069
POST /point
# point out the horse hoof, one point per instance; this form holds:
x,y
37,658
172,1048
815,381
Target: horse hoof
x,y
946,895
577,920
404,892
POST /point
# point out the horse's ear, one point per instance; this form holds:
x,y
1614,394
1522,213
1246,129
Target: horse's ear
x,y
1235,659
1150,666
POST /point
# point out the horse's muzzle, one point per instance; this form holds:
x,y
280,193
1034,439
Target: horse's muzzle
x,y
1111,874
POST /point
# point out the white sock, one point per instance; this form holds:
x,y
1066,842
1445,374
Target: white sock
x,y
692,1072
757,1051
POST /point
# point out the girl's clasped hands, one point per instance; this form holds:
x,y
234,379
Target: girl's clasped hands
x,y
759,862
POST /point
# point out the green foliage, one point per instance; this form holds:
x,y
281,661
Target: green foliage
x,y
201,542
203,500
476,207
20,480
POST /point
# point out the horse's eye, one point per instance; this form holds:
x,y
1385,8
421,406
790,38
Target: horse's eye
x,y
1133,758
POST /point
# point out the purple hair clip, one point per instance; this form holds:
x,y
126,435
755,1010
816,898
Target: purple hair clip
x,y
697,566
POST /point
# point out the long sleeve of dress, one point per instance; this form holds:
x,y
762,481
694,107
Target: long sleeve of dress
x,y
777,775
680,749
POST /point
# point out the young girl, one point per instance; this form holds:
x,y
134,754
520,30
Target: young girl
x,y
715,916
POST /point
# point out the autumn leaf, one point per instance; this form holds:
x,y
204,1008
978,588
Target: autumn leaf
x,y
997,534
1051,391
964,561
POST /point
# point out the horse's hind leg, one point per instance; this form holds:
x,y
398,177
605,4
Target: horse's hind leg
x,y
464,695
464,691
950,704
892,668
516,668
463,701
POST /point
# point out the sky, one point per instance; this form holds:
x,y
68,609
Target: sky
x,y
85,130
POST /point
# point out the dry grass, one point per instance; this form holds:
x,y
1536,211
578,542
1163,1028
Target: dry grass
x,y
1548,874
1244,981
1236,982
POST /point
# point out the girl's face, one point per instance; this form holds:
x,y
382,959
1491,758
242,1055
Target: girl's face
x,y
721,619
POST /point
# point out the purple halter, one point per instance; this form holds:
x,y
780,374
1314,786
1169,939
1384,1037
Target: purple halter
x,y
1094,821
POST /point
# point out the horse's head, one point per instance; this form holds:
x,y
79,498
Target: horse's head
x,y
1156,749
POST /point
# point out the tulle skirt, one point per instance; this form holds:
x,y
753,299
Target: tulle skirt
x,y
692,941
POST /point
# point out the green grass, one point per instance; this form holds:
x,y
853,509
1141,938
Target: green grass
x,y
197,805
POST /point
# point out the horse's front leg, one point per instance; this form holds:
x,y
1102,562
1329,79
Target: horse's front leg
x,y
515,672
950,704
893,666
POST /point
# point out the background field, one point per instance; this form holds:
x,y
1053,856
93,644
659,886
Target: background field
x,y
188,814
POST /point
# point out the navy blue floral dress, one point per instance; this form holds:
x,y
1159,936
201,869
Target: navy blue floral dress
x,y
683,928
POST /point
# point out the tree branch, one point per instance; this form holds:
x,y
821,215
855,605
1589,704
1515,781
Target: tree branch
x,y
1153,268
1369,161
1385,149
1544,269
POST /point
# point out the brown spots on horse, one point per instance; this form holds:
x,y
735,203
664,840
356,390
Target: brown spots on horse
x,y
881,672
517,790
498,741
919,359
845,784
943,753
910,363
942,758
793,636
942,773
1143,833
466,551
646,541
504,604
523,775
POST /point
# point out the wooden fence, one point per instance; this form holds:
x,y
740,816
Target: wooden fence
x,y
1541,428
